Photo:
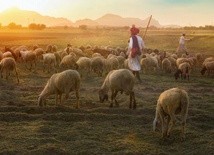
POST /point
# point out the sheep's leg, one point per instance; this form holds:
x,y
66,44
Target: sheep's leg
x,y
17,76
130,102
116,103
184,112
171,123
77,96
65,98
161,116
112,98
134,101
56,99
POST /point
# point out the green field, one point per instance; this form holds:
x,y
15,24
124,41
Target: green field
x,y
95,128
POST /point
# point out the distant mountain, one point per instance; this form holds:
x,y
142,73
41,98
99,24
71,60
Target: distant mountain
x,y
87,22
25,17
115,20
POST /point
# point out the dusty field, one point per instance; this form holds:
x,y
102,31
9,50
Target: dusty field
x,y
95,128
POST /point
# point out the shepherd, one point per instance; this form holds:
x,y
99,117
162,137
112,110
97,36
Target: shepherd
x,y
182,48
135,49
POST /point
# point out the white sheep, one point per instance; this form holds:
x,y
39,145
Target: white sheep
x,y
170,103
97,65
49,62
118,80
28,57
96,55
166,65
183,71
61,83
208,67
84,63
68,62
6,65
111,64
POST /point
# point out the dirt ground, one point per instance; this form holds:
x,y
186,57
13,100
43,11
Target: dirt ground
x,y
95,128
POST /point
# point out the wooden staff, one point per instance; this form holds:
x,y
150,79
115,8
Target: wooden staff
x,y
144,36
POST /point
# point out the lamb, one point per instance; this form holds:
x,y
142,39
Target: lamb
x,y
49,61
183,70
61,83
149,62
170,103
7,65
209,67
118,80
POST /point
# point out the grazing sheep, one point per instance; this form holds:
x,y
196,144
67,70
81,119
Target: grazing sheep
x,y
84,63
166,65
170,103
29,56
68,62
148,63
97,65
118,80
121,60
7,55
208,67
183,70
61,83
49,62
39,52
111,64
7,65
96,55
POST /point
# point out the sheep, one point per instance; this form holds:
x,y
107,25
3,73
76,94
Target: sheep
x,y
208,66
97,65
112,64
29,56
170,103
7,55
61,83
68,62
183,70
121,60
39,52
173,62
95,55
118,80
149,62
209,59
8,64
166,65
84,63
49,61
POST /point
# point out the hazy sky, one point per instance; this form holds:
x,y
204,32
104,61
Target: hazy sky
x,y
180,12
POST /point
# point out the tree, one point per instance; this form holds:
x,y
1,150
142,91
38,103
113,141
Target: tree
x,y
14,26
83,27
34,26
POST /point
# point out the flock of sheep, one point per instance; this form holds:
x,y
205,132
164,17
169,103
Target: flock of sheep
x,y
71,63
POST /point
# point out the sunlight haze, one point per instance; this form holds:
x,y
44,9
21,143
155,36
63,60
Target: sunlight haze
x,y
182,12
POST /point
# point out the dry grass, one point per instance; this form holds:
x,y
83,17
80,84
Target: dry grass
x,y
95,128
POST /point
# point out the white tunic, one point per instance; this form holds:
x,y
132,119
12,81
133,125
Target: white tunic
x,y
134,63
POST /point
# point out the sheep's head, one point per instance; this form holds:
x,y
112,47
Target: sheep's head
x,y
203,70
40,101
103,96
156,125
177,74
